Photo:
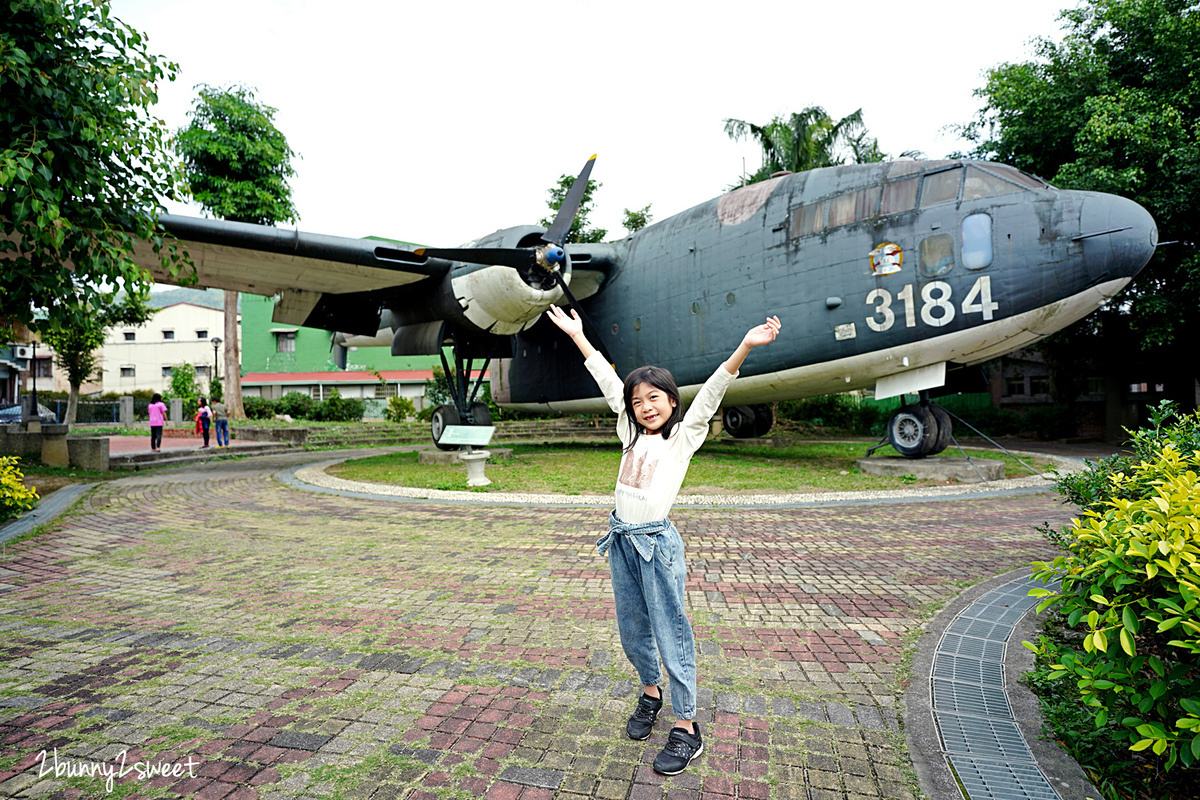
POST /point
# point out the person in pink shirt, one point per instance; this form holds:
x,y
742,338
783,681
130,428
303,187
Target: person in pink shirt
x,y
158,412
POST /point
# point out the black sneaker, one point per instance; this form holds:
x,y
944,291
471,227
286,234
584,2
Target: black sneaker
x,y
682,748
642,722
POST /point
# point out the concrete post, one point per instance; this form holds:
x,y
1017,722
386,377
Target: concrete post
x,y
54,446
176,411
126,412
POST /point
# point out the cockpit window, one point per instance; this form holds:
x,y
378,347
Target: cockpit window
x,y
853,206
1016,176
981,184
941,187
899,196
808,219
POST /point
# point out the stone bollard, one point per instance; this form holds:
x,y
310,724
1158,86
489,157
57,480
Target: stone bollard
x,y
176,411
54,446
126,412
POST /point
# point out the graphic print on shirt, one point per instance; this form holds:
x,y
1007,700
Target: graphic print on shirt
x,y
637,474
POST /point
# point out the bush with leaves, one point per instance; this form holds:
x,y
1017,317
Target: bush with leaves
x,y
399,409
15,497
258,407
183,383
296,405
1131,584
336,408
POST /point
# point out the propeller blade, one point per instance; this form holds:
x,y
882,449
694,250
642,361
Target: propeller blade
x,y
588,329
517,258
570,206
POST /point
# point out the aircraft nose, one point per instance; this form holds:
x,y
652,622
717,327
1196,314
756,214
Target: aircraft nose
x,y
1118,236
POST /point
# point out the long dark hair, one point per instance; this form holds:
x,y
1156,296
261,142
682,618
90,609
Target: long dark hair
x,y
157,398
660,379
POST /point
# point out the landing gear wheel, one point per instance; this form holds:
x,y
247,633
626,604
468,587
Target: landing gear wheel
x,y
944,425
912,431
764,419
739,421
480,413
444,416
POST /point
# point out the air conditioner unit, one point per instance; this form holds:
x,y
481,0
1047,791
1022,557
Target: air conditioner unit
x,y
23,352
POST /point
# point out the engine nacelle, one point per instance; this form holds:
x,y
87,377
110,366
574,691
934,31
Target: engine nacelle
x,y
503,300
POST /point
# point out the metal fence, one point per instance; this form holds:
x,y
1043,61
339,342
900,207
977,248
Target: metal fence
x,y
91,411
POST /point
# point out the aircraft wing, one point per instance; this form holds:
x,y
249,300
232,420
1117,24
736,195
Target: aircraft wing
x,y
323,281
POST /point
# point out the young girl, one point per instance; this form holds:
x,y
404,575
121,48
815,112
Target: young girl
x,y
644,549
157,411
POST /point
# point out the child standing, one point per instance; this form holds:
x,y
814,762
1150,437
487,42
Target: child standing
x,y
644,549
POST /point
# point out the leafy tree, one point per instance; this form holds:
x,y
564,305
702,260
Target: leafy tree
x,y
808,140
580,232
634,221
83,162
1113,107
77,332
237,164
183,383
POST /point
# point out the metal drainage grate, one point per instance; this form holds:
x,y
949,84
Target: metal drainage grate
x,y
982,742
998,780
969,670
966,698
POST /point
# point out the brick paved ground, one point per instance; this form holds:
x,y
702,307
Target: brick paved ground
x,y
292,644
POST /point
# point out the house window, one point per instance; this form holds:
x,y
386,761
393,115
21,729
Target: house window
x,y
1039,384
128,372
285,342
202,371
1014,387
42,368
168,372
130,336
385,390
201,334
168,335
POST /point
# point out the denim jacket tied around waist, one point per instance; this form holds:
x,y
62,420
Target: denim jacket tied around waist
x,y
643,534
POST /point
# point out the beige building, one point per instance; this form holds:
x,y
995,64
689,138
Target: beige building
x,y
144,356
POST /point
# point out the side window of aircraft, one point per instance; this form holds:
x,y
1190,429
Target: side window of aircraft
x,y
853,206
937,255
941,187
899,196
1016,176
977,241
808,219
983,184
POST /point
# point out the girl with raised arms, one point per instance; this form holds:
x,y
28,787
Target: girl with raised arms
x,y
644,549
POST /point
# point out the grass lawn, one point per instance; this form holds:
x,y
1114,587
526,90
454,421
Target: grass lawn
x,y
718,467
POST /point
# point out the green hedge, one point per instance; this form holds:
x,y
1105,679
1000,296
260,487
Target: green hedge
x,y
1130,588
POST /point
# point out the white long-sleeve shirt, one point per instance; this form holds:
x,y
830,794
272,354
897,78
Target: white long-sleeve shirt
x,y
652,472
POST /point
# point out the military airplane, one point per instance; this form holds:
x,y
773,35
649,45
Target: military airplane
x,y
887,275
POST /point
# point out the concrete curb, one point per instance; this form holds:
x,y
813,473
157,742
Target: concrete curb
x,y
58,502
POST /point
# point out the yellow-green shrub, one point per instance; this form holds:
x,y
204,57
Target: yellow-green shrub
x,y
15,497
1131,578
399,409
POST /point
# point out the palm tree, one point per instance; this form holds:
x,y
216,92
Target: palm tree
x,y
807,140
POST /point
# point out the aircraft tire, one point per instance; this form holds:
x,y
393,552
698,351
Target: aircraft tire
x,y
480,413
739,421
945,427
912,431
442,417
764,419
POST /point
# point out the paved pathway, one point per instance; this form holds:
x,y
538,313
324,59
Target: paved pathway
x,y
269,642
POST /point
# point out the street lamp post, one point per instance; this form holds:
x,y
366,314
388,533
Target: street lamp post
x,y
216,342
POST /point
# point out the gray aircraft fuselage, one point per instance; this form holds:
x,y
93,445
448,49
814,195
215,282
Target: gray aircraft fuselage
x,y
874,269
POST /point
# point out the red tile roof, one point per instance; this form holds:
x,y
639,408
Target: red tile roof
x,y
355,376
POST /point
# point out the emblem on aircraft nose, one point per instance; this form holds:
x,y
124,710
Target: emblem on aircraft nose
x,y
887,259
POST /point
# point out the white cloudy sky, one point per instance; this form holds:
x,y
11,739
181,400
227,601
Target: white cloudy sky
x,y
437,122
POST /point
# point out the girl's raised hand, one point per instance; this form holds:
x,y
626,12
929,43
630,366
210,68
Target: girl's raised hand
x,y
762,334
571,326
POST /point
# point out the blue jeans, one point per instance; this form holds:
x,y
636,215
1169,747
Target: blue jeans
x,y
651,616
222,431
